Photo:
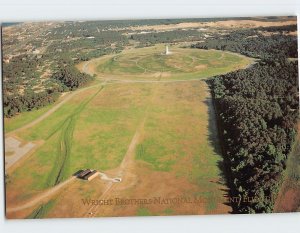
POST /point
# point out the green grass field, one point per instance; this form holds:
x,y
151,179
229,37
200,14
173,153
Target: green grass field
x,y
95,128
24,118
41,211
151,62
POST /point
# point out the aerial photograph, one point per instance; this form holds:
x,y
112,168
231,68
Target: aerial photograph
x,y
150,117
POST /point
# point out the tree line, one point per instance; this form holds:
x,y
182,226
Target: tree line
x,y
70,78
14,104
257,110
252,43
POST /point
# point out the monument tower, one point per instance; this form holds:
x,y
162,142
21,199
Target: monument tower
x,y
167,50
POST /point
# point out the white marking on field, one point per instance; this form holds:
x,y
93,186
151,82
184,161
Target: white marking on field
x,y
103,176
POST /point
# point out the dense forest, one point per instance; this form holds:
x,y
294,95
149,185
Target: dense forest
x,y
253,43
257,110
70,77
167,37
14,104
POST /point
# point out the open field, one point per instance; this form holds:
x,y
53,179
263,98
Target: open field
x,y
171,153
53,154
152,64
160,137
18,121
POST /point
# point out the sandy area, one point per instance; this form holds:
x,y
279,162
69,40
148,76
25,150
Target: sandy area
x,y
223,24
15,150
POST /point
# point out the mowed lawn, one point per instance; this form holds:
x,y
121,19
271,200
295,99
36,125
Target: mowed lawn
x,y
94,128
106,126
24,118
180,137
183,63
178,143
38,171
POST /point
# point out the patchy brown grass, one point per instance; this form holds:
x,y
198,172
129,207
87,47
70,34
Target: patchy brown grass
x,y
184,112
172,121
220,24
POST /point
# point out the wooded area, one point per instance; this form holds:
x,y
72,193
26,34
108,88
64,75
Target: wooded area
x,y
65,77
257,109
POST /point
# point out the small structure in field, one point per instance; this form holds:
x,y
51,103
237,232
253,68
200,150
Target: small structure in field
x,y
87,174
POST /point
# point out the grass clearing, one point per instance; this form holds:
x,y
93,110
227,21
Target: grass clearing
x,y
41,211
24,118
49,164
182,63
94,129
106,127
178,139
44,129
60,169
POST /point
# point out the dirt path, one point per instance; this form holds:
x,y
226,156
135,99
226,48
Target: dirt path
x,y
25,150
43,197
85,68
127,161
66,132
105,177
130,150
128,158
52,110
71,95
